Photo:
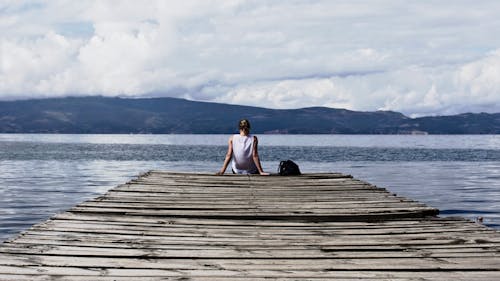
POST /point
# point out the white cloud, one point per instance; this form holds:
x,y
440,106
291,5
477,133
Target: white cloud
x,y
480,79
425,57
416,91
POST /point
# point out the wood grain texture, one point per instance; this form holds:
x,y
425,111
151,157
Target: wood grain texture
x,y
181,226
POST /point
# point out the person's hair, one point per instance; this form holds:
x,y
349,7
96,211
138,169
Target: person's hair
x,y
244,124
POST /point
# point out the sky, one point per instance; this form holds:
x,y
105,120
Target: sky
x,y
416,57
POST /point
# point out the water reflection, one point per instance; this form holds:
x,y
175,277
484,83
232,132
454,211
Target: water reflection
x,y
394,141
161,152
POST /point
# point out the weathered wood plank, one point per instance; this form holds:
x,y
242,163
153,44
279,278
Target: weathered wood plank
x,y
359,251
412,242
228,253
403,222
318,230
312,206
145,274
222,266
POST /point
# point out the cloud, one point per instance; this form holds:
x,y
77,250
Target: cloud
x,y
420,58
414,90
480,80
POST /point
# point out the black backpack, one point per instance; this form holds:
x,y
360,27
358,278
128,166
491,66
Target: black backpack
x,y
288,168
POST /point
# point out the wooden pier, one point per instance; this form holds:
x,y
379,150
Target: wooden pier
x,y
178,226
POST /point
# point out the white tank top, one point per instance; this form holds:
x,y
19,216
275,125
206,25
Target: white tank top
x,y
242,162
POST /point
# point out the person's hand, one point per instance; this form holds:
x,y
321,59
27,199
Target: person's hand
x,y
264,174
219,173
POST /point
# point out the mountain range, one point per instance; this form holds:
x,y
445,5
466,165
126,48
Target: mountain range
x,y
103,115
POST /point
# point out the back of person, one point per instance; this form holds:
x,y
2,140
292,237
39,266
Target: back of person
x,y
243,153
242,162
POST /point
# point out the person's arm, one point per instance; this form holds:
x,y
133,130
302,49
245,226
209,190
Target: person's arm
x,y
229,154
255,156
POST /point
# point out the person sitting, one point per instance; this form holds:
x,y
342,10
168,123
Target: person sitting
x,y
243,152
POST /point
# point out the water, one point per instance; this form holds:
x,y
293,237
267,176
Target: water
x,y
41,175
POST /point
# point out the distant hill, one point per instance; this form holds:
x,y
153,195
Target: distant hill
x,y
171,115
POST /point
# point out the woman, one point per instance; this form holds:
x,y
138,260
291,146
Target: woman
x,y
242,150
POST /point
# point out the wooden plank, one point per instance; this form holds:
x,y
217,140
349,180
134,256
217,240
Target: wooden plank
x,y
244,225
236,252
323,267
252,231
349,250
403,222
103,274
185,238
374,215
254,244
318,230
311,207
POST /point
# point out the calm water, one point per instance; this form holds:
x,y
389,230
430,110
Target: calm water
x,y
41,175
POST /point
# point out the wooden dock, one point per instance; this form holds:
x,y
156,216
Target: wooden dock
x,y
178,226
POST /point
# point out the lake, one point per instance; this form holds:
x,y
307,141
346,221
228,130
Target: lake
x,y
43,174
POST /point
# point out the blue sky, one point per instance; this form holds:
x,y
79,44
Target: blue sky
x,y
416,57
